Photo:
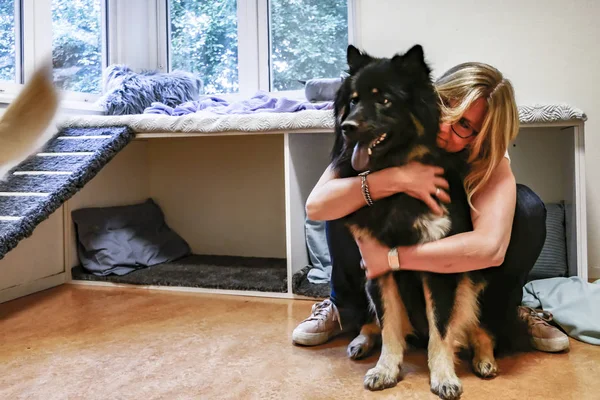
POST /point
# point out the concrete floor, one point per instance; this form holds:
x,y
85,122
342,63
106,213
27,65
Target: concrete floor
x,y
78,342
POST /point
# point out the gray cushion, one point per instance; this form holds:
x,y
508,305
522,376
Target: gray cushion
x,y
121,239
552,261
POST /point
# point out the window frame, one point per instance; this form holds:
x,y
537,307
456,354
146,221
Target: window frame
x,y
147,47
254,61
34,47
7,88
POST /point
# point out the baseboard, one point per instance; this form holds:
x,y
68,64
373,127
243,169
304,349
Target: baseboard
x,y
15,292
594,272
250,293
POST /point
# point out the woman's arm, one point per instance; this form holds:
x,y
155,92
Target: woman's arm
x,y
481,248
334,197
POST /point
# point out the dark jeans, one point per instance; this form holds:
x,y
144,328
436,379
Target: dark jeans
x,y
526,242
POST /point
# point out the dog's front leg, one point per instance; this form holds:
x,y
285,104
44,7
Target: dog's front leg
x,y
482,343
394,322
440,352
363,344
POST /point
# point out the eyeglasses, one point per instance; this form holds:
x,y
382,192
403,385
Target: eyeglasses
x,y
463,130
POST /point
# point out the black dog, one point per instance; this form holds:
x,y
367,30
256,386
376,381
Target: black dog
x,y
387,114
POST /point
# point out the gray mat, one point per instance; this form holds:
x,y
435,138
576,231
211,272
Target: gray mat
x,y
302,286
206,271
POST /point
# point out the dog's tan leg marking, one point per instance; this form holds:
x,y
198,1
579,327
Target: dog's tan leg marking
x,y
418,125
365,341
465,313
441,351
482,343
396,326
417,153
443,379
358,233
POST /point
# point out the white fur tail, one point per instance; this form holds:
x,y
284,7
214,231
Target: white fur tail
x,y
27,122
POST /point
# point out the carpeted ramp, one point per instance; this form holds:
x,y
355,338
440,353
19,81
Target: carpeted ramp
x,y
38,186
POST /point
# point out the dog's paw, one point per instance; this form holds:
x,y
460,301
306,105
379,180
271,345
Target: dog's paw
x,y
380,378
361,346
485,368
447,389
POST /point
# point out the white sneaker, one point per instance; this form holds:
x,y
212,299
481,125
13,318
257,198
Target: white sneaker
x,y
544,336
322,324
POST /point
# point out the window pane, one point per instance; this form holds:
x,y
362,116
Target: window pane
x,y
7,41
204,41
77,45
308,40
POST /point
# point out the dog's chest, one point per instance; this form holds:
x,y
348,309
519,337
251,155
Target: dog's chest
x,y
400,220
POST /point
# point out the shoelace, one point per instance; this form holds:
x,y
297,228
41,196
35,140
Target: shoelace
x,y
319,310
539,316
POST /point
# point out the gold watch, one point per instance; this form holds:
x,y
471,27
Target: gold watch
x,y
393,260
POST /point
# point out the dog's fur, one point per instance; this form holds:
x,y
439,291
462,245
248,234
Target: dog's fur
x,y
28,122
396,97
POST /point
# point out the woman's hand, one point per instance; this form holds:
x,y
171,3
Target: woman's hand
x,y
374,257
417,180
423,182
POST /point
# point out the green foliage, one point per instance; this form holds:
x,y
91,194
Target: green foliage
x,y
309,40
77,45
204,41
7,40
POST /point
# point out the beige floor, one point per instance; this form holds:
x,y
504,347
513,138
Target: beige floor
x,y
77,342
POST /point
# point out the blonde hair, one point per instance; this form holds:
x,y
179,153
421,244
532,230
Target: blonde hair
x,y
458,88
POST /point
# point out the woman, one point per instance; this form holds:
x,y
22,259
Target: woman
x,y
481,117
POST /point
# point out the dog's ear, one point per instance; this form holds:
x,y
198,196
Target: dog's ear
x,y
413,59
356,59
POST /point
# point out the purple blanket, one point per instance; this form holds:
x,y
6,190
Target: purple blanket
x,y
260,102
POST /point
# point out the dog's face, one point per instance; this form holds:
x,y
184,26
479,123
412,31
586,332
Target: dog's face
x,y
384,105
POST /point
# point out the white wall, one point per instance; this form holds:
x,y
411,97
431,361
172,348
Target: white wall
x,y
224,195
548,48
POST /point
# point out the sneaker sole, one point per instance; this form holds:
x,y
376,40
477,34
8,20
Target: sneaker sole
x,y
551,345
311,339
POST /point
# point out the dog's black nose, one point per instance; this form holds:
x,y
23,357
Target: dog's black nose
x,y
349,127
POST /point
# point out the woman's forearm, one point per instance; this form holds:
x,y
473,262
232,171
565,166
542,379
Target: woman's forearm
x,y
340,197
458,253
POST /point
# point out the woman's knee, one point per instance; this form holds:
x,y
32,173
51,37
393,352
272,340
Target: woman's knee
x,y
530,219
530,207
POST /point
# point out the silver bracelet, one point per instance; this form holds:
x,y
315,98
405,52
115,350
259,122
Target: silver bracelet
x,y
364,186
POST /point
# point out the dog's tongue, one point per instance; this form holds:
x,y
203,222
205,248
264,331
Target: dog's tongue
x,y
360,158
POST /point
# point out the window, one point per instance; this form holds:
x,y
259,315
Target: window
x,y
8,47
74,32
204,40
241,46
308,40
77,45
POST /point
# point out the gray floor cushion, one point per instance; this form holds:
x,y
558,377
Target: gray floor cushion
x,y
552,261
121,239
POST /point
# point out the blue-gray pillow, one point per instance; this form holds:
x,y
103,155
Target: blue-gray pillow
x,y
552,262
121,239
128,92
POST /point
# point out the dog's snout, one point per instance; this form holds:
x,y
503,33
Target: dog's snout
x,y
349,127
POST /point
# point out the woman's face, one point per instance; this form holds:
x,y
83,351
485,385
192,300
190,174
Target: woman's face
x,y
454,138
